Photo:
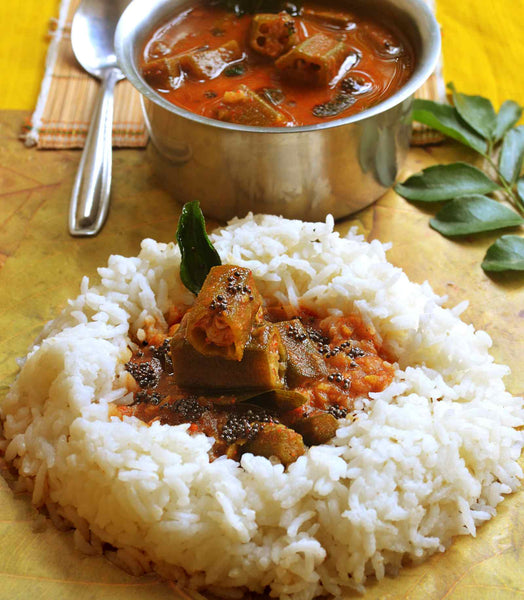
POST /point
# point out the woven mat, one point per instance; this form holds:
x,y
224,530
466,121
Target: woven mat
x,y
67,96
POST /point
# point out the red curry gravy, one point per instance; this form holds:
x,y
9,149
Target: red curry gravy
x,y
319,63
356,365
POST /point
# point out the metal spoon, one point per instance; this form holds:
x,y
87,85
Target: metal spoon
x,y
92,34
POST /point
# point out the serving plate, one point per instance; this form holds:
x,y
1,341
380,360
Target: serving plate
x,y
42,268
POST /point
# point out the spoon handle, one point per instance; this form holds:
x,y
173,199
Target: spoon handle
x,y
90,198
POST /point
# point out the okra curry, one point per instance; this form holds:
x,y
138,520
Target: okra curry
x,y
270,380
293,65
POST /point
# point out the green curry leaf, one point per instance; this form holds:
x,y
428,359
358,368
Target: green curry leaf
x,y
473,214
520,189
198,253
512,154
508,116
444,182
472,121
507,253
478,112
446,119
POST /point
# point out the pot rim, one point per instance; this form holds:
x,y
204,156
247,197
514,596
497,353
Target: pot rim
x,y
135,21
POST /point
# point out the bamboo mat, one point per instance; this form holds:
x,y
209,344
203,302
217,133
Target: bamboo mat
x,y
67,96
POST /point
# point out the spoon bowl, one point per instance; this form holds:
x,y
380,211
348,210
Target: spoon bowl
x,y
92,35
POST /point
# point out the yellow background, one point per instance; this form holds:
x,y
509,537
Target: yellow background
x,y
42,266
483,47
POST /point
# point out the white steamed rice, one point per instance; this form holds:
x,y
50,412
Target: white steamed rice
x,y
429,459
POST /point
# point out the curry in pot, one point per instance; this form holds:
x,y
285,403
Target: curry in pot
x,y
299,65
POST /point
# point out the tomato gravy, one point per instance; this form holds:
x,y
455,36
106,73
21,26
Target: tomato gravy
x,y
315,64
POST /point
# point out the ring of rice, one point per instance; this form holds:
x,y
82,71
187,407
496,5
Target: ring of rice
x,y
428,459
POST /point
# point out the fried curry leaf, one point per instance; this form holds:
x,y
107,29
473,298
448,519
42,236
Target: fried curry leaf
x,y
508,116
444,182
446,119
335,106
506,254
198,253
235,70
473,214
512,154
478,112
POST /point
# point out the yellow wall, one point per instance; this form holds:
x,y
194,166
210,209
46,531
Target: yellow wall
x,y
23,46
483,43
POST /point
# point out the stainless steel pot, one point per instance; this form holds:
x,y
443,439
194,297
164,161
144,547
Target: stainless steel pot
x,y
302,172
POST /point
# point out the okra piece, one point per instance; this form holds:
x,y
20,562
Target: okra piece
x,y
315,61
208,64
281,400
224,313
272,35
163,72
261,367
277,440
303,360
245,107
335,17
316,429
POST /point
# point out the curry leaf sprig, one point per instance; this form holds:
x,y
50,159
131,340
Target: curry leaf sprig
x,y
198,254
472,194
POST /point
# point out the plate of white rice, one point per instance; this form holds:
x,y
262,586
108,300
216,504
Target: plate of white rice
x,y
427,459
